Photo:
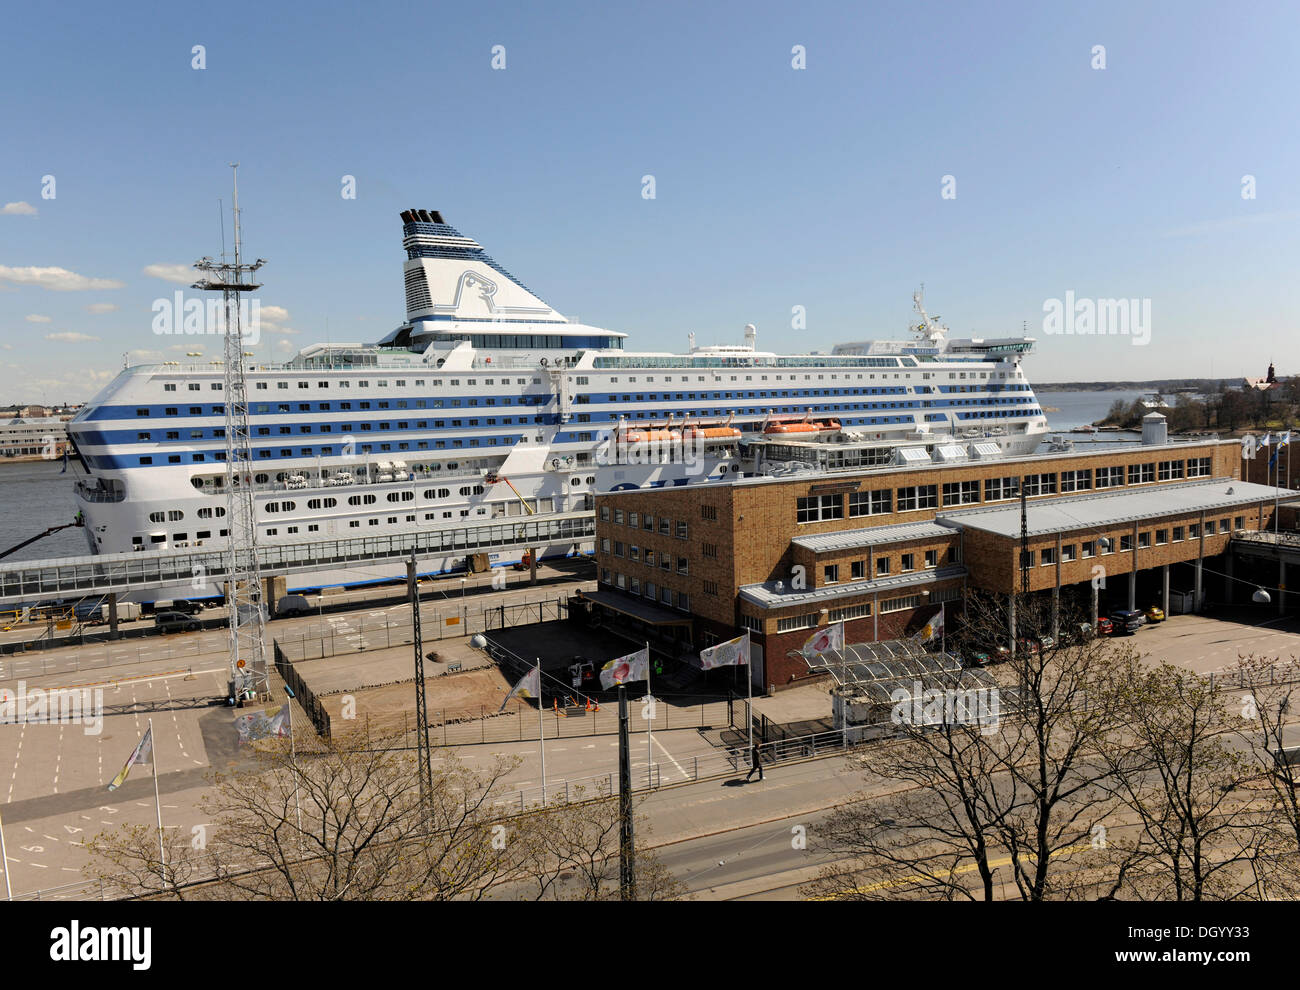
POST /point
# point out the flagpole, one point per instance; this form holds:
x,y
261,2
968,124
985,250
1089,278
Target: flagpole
x,y
157,801
749,679
541,728
293,762
4,861
650,725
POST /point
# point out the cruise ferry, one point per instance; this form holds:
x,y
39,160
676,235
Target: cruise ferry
x,y
487,403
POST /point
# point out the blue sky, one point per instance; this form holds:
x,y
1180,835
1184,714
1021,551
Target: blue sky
x,y
774,187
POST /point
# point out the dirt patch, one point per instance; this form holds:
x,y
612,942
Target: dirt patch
x,y
458,695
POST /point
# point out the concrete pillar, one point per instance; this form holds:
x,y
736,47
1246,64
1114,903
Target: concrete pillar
x,y
274,587
1132,589
1095,595
112,615
1056,612
1281,585
875,618
1228,581
1011,624
1196,592
1164,588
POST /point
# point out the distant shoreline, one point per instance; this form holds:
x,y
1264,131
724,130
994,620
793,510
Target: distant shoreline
x,y
1156,385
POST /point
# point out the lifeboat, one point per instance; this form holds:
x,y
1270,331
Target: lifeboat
x,y
651,436
807,430
711,433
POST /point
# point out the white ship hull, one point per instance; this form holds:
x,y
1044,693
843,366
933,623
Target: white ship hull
x,y
484,404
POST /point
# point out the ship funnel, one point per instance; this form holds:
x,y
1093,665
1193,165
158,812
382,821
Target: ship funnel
x,y
751,335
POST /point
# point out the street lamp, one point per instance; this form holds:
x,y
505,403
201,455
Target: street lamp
x,y
462,588
1261,597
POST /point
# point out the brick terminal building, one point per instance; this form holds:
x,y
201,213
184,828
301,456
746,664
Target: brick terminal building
x,y
883,548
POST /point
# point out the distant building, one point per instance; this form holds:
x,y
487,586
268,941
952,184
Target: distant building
x,y
1264,384
44,437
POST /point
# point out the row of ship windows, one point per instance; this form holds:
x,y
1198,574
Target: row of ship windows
x,y
580,380
819,508
218,433
379,383
182,539
260,408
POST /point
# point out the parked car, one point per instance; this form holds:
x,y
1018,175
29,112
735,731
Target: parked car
x,y
292,605
1104,626
170,622
1125,620
1029,646
178,605
1155,613
1046,642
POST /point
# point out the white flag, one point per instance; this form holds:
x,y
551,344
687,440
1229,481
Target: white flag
x,y
143,753
732,653
931,629
633,667
529,686
823,641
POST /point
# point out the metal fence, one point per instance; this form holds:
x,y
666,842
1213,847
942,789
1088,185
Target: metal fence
x,y
439,620
685,771
520,722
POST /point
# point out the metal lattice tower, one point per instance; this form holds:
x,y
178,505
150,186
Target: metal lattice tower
x,y
244,597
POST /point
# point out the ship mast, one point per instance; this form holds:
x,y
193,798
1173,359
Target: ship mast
x,y
929,329
244,598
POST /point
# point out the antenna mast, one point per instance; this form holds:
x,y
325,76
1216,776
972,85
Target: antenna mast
x,y
244,597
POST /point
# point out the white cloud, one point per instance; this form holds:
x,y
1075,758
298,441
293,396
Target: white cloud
x,y
182,274
283,345
101,308
38,318
69,336
272,319
56,279
19,209
144,355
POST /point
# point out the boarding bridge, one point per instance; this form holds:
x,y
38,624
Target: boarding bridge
x,y
120,573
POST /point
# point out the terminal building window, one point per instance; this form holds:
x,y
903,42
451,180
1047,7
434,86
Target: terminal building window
x,y
1076,481
817,508
961,492
918,497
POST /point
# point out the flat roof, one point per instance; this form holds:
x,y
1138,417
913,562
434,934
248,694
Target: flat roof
x,y
766,594
1098,509
852,539
637,609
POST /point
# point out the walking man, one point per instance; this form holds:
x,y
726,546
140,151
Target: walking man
x,y
755,763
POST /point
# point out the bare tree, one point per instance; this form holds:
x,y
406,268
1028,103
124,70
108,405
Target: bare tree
x,y
346,822
570,851
1177,780
974,813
